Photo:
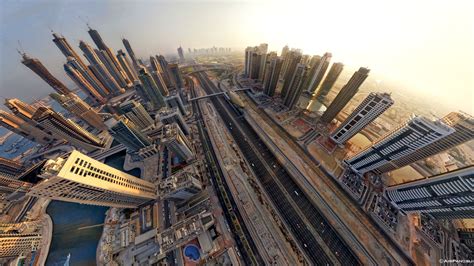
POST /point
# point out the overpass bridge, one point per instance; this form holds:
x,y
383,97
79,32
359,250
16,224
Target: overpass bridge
x,y
194,68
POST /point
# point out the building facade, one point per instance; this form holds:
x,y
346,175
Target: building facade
x,y
329,81
127,133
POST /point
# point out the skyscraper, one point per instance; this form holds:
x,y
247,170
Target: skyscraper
x,y
127,133
292,59
156,72
172,115
329,81
99,69
181,54
175,140
316,74
272,74
60,127
136,113
284,51
370,108
180,187
19,239
295,86
115,68
24,129
151,90
166,74
462,123
36,66
67,50
83,84
121,78
345,95
174,100
76,106
19,108
262,49
255,61
398,144
443,196
81,179
10,168
130,52
176,75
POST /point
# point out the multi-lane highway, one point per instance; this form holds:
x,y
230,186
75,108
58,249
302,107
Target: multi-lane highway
x,y
242,235
320,242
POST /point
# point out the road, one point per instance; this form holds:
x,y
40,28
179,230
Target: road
x,y
236,223
384,241
170,256
315,236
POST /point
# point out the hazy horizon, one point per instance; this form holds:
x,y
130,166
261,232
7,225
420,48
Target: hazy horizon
x,y
425,46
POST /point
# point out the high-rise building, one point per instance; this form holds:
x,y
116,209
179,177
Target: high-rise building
x,y
62,128
36,66
175,140
76,106
180,187
130,52
169,116
160,83
176,75
136,113
398,144
166,74
81,179
151,90
24,128
181,54
67,50
255,57
272,74
127,133
292,59
20,109
18,239
444,196
99,69
329,81
83,84
345,95
316,74
89,76
117,68
125,63
462,123
295,86
10,168
174,100
262,49
284,51
121,78
370,108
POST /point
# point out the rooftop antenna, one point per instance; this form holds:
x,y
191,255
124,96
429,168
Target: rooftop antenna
x,y
21,51
85,21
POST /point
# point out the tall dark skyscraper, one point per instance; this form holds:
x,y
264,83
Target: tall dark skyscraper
x,y
316,73
83,84
292,59
345,95
166,74
89,77
272,74
329,81
127,133
67,50
130,52
151,90
125,63
399,144
99,69
295,87
176,75
115,67
444,196
36,66
181,54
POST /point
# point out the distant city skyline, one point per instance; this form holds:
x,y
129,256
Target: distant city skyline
x,y
425,48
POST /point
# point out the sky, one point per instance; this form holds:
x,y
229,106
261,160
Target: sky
x,y
425,47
